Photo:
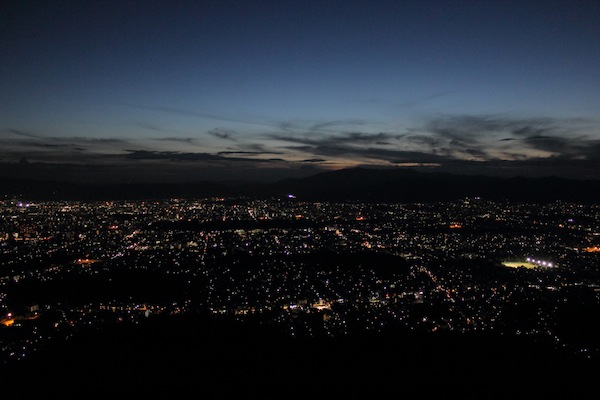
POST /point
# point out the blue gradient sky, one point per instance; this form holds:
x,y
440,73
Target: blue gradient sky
x,y
267,89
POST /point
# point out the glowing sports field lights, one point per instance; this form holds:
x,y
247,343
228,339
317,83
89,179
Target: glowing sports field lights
x,y
542,263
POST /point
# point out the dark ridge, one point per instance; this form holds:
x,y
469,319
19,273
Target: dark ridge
x,y
411,186
57,190
358,184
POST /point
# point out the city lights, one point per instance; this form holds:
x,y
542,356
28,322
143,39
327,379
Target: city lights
x,y
309,268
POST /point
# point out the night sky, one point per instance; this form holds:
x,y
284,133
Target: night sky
x,y
194,90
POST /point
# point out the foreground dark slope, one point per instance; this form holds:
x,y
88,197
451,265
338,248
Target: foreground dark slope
x,y
358,184
205,355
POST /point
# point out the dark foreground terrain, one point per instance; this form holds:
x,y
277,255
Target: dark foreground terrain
x,y
170,356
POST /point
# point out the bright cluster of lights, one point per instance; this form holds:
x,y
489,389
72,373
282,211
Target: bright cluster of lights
x,y
539,262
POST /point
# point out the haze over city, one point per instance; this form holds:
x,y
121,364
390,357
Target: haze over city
x,y
235,90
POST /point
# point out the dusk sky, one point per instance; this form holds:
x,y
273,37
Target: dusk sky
x,y
194,90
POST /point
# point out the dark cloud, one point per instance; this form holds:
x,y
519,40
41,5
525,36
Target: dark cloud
x,y
222,133
476,152
427,140
479,144
531,130
248,153
339,127
468,127
314,160
152,127
358,138
472,134
55,149
538,137
359,145
449,139
372,153
176,139
260,148
349,138
295,139
191,157
170,155
566,148
208,114
95,140
22,133
44,145
327,125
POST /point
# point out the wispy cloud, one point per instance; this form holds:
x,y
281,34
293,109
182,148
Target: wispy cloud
x,y
169,155
568,148
176,139
207,114
222,133
473,142
44,145
446,139
314,160
330,125
154,127
370,153
248,153
476,134
19,143
425,99
346,139
20,132
192,157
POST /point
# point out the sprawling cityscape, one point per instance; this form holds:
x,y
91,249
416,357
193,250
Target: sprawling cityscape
x,y
308,269
307,199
